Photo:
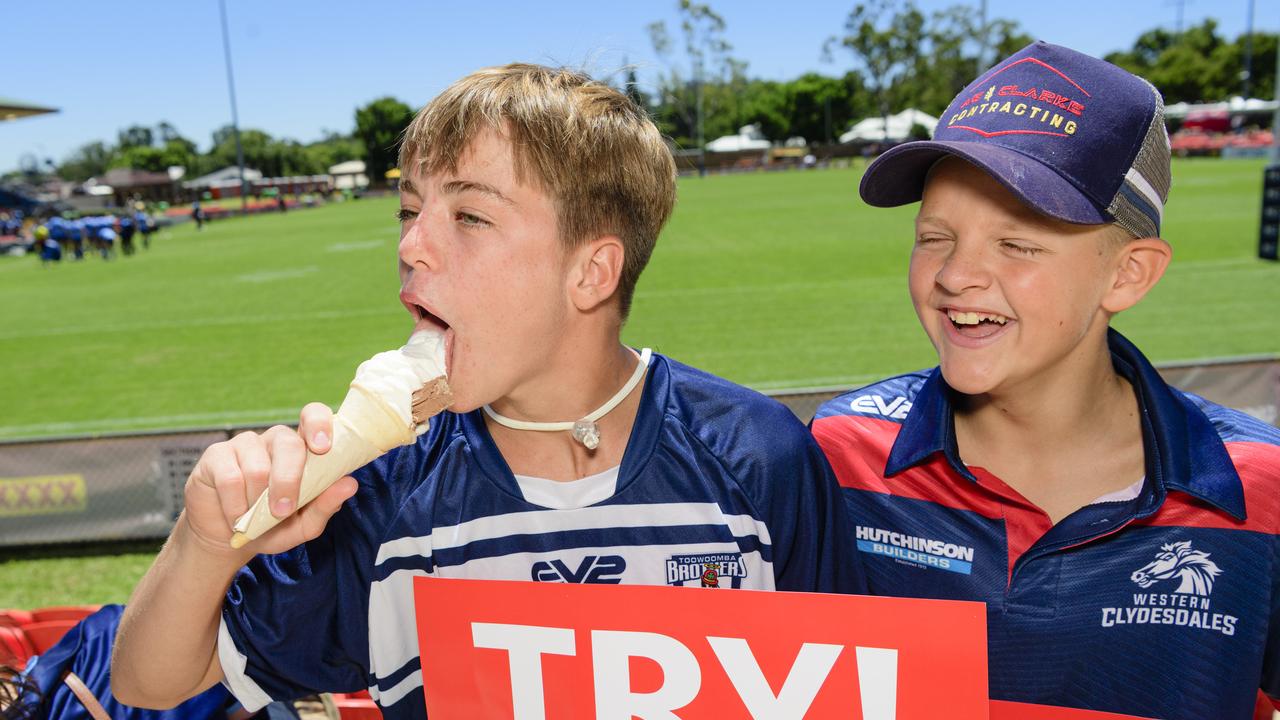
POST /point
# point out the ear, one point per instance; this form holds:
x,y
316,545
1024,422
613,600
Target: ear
x,y
1138,266
595,272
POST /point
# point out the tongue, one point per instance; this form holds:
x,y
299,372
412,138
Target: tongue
x,y
983,329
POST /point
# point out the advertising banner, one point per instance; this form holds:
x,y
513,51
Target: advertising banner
x,y
502,649
95,489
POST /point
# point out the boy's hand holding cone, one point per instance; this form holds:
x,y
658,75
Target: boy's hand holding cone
x,y
389,403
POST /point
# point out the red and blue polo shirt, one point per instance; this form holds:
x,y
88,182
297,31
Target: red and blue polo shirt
x,y
1164,605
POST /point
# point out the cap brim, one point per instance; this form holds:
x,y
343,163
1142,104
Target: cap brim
x,y
897,178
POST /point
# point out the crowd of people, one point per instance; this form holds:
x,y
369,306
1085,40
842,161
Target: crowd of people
x,y
56,237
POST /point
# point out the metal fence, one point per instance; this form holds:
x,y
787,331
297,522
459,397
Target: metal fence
x,y
125,487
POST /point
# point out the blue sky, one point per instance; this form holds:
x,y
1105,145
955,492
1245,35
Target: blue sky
x,y
303,67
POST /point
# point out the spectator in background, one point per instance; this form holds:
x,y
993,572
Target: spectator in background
x,y
197,214
50,250
127,229
144,224
75,233
101,231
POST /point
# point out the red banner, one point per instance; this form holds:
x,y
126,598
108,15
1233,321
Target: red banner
x,y
529,651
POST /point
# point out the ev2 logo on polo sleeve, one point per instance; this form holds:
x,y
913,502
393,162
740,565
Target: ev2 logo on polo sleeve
x,y
896,408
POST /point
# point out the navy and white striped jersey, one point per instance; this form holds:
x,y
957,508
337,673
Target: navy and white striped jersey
x,y
719,486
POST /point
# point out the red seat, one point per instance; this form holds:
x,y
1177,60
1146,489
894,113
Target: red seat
x,y
355,708
44,635
15,618
15,647
68,612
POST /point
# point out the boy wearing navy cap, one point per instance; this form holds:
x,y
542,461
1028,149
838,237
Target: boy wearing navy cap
x,y
1122,533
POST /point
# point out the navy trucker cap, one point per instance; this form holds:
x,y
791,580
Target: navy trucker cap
x,y
1072,136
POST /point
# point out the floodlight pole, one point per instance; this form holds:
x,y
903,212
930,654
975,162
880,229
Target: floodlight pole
x,y
1275,118
984,40
1248,52
235,120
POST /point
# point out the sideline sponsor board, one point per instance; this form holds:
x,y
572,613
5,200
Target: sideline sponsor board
x,y
96,488
503,649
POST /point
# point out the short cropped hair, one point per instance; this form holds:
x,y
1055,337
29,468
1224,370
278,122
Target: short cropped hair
x,y
591,148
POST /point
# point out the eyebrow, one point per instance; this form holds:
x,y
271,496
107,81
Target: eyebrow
x,y
406,186
455,187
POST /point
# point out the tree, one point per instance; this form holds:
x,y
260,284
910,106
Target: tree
x,y
135,136
379,127
821,106
223,134
632,88
956,46
89,160
333,149
687,95
1199,65
166,132
885,39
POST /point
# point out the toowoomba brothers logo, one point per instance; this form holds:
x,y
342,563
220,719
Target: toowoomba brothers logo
x,y
710,570
1187,605
915,550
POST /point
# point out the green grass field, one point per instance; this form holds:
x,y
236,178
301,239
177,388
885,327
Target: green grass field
x,y
773,280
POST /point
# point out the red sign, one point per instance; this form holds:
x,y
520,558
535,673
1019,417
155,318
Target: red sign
x,y
534,651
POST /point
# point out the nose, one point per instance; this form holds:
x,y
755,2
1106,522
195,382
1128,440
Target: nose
x,y
416,249
963,268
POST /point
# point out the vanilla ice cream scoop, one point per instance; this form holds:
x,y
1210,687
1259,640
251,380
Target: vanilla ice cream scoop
x,y
390,402
398,378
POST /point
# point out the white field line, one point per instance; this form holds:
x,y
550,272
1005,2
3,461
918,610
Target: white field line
x,y
149,422
352,246
189,323
274,275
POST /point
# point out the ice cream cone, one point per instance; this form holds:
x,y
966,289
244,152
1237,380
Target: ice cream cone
x,y
387,405
364,428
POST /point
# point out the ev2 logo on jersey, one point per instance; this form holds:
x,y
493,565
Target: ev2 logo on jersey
x,y
875,405
601,569
1187,605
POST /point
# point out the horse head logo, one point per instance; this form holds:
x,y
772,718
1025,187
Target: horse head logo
x,y
1193,567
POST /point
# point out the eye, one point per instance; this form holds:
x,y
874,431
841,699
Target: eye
x,y
404,215
1020,248
469,220
931,238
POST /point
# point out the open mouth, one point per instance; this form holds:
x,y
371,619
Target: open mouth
x,y
424,319
977,325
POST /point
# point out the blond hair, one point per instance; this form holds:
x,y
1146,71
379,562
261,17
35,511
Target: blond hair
x,y
588,146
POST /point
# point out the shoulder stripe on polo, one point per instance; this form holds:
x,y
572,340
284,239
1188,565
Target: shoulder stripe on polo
x,y
856,447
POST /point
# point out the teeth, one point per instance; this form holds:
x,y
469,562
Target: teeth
x,y
973,318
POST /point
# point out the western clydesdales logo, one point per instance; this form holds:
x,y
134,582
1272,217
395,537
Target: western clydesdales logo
x,y
709,570
1189,604
1178,561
